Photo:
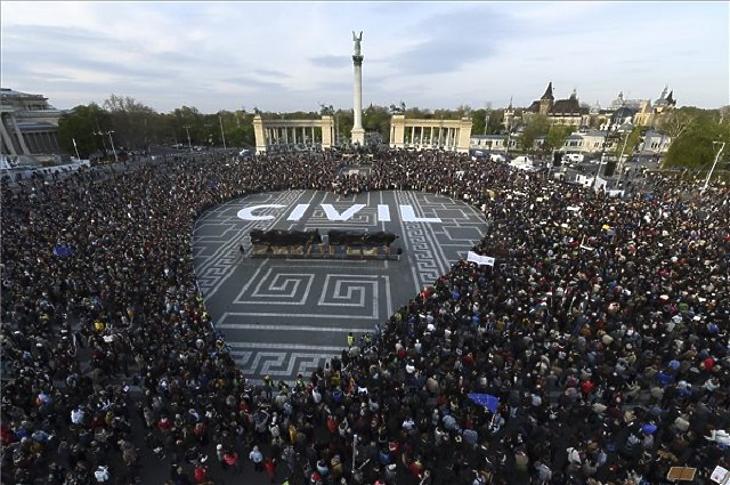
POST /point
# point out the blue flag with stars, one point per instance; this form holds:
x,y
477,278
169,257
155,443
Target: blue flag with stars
x,y
487,400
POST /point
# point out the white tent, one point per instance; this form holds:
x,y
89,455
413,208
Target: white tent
x,y
522,162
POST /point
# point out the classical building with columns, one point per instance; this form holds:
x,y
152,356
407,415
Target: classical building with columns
x,y
29,125
276,135
430,134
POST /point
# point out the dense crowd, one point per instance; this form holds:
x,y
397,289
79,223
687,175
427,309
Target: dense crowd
x,y
602,330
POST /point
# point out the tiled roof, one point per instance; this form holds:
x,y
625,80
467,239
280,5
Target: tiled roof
x,y
6,92
567,106
489,137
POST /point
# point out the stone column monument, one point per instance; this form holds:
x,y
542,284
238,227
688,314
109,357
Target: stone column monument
x,y
358,133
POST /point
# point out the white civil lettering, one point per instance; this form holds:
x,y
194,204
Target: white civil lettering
x,y
383,213
408,215
298,212
333,215
247,213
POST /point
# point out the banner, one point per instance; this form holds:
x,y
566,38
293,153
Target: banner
x,y
62,250
479,260
487,400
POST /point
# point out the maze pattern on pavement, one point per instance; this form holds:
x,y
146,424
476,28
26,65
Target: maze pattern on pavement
x,y
282,317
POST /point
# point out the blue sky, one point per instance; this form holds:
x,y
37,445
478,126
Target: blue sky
x,y
291,56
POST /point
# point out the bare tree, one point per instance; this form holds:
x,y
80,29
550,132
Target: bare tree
x,y
676,122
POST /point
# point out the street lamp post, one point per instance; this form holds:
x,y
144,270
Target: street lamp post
x,y
620,160
486,117
354,452
76,149
603,154
717,157
109,133
187,130
111,140
509,136
223,135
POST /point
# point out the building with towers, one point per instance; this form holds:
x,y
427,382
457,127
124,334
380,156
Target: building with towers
x,y
621,113
568,111
621,102
651,115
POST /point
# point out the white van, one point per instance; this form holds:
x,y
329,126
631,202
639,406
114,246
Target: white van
x,y
573,157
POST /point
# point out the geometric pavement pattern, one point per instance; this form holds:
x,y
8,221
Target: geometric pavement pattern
x,y
282,317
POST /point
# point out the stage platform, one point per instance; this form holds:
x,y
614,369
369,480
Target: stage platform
x,y
323,252
284,314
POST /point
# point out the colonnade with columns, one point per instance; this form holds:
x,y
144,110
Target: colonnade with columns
x,y
286,135
424,134
293,135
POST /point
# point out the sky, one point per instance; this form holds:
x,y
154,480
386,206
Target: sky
x,y
295,56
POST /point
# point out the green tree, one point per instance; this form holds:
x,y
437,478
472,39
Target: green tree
x,y
189,120
237,127
132,121
496,118
479,118
377,118
632,140
676,122
536,126
694,148
416,112
556,136
464,111
80,124
343,123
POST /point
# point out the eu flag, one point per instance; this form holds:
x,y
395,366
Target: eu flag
x,y
487,400
62,250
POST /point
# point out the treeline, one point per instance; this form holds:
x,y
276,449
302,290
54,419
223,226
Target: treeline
x,y
136,126
696,134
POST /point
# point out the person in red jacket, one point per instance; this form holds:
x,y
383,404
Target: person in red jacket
x,y
164,424
200,474
7,436
416,468
270,468
587,387
230,461
331,424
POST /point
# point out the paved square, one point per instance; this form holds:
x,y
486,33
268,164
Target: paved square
x,y
286,316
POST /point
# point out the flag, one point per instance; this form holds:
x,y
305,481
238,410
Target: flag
x,y
62,250
487,400
479,259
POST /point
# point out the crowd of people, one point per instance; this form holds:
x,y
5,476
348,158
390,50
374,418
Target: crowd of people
x,y
601,333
